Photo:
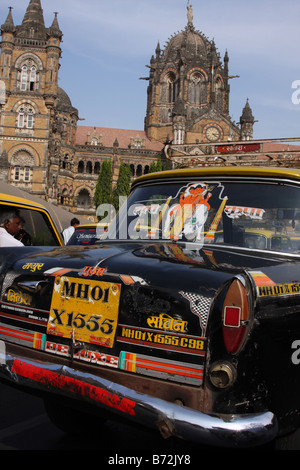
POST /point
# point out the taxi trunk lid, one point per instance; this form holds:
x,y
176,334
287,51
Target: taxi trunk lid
x,y
140,308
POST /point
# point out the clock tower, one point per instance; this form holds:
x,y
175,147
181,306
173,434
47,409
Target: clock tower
x,y
188,92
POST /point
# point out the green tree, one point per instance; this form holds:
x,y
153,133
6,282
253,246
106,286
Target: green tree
x,y
103,192
123,185
155,166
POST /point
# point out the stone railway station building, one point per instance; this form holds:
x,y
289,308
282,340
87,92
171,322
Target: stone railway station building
x,y
46,152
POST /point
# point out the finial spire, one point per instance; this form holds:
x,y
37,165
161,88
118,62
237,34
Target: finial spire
x,y
9,23
189,13
54,28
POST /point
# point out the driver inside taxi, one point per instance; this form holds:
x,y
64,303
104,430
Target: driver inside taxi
x,y
10,224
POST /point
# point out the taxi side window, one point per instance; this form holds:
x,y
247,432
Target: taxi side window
x,y
35,229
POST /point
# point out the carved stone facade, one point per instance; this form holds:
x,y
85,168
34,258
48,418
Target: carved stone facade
x,y
44,151
42,148
29,64
188,92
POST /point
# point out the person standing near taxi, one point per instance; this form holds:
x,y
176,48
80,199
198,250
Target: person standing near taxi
x,y
68,232
10,224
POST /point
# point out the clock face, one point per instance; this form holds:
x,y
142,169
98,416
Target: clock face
x,y
213,133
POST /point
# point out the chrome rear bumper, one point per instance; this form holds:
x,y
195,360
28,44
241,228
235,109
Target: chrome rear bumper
x,y
171,419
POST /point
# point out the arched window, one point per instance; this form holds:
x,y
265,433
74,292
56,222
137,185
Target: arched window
x,y
64,197
17,173
80,167
29,76
97,168
64,163
27,174
173,87
22,164
170,88
32,78
30,119
25,117
24,76
198,93
21,119
178,134
83,199
89,168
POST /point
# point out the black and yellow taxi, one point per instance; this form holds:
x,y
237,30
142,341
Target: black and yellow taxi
x,y
165,322
37,226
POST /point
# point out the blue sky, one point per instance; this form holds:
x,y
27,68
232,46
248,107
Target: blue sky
x,y
108,43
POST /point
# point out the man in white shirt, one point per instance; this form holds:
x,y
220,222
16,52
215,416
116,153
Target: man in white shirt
x,y
10,224
68,232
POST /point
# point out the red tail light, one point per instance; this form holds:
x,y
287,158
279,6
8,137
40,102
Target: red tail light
x,y
235,316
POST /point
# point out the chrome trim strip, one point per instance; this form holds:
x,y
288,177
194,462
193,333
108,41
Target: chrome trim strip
x,y
232,431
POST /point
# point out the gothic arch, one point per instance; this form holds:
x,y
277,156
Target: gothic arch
x,y
65,193
83,198
197,88
24,155
23,102
197,70
22,158
139,170
22,163
89,167
169,74
66,162
80,167
97,167
219,80
29,68
25,115
29,56
169,86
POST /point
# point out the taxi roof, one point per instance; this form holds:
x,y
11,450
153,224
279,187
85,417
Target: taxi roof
x,y
269,172
9,199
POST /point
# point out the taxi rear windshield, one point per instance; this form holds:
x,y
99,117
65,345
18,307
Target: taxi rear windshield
x,y
88,235
252,215
84,236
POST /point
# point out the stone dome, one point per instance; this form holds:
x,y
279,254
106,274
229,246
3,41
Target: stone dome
x,y
64,103
188,42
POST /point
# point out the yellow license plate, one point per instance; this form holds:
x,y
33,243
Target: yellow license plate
x,y
84,309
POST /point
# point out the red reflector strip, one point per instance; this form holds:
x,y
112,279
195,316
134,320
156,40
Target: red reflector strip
x,y
232,317
54,381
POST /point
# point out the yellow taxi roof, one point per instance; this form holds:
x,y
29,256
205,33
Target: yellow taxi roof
x,y
270,172
9,199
